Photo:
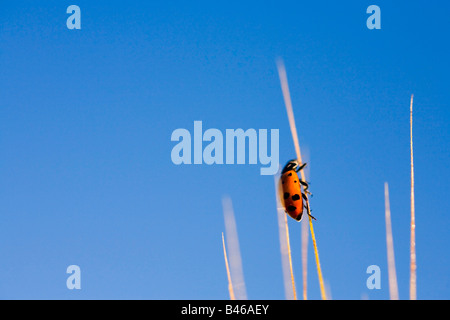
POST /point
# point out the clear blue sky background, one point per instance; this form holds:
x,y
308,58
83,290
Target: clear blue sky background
x,y
86,118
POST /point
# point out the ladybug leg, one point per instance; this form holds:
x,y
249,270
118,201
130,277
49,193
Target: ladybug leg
x,y
312,217
308,209
305,198
303,183
307,212
305,186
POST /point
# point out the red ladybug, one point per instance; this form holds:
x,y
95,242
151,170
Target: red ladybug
x,y
291,194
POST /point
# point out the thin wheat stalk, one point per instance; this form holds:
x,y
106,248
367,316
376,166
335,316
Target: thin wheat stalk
x,y
290,257
237,273
316,252
393,288
305,234
305,258
230,284
285,247
413,266
290,112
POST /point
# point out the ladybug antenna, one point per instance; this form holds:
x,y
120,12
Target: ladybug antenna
x,y
300,167
293,164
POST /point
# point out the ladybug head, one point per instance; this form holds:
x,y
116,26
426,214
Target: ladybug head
x,y
292,165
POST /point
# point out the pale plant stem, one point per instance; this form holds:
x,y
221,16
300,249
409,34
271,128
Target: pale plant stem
x,y
290,112
393,287
285,247
237,272
290,257
305,259
413,266
230,284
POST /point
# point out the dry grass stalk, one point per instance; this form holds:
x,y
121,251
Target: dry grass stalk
x,y
290,112
413,266
290,257
230,284
236,270
393,288
305,258
285,248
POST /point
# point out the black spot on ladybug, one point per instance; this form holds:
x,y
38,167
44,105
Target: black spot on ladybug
x,y
291,208
295,197
286,195
295,181
290,174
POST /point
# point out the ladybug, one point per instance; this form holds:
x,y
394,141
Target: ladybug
x,y
290,188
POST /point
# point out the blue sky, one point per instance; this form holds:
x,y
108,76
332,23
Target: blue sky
x,y
86,118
